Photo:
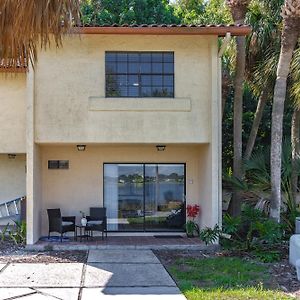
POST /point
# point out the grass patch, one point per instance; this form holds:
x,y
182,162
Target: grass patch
x,y
236,294
224,278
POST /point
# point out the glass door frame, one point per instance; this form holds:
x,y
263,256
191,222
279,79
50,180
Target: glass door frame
x,y
144,196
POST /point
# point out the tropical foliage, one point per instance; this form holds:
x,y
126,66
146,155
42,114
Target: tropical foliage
x,y
261,77
27,25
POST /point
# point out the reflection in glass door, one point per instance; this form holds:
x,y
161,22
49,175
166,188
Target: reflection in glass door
x,y
124,196
164,197
141,197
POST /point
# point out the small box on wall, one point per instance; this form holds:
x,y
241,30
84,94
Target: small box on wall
x,y
58,164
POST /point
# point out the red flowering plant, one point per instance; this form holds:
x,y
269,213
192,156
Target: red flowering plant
x,y
191,227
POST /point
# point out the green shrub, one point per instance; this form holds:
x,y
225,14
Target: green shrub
x,y
4,231
210,235
18,234
253,231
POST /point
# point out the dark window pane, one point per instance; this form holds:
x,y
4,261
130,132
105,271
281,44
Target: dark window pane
x,y
157,91
53,164
168,57
157,68
111,81
110,56
134,56
133,80
122,80
122,67
146,91
122,56
133,68
123,91
146,57
157,80
110,67
133,91
146,68
64,164
168,68
146,79
157,57
112,93
168,91
168,80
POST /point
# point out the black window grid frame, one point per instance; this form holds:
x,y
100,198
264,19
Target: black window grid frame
x,y
140,74
58,164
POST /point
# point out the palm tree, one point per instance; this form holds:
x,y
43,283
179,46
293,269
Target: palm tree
x,y
289,38
294,92
262,47
25,25
238,10
295,136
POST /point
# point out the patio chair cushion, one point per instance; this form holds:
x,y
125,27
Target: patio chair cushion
x,y
94,222
66,223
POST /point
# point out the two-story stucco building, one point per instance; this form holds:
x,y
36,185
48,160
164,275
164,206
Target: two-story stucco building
x,y
123,117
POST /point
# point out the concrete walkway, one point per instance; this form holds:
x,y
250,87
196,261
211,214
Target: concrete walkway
x,y
108,274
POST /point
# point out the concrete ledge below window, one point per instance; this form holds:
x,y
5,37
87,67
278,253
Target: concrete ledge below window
x,y
139,104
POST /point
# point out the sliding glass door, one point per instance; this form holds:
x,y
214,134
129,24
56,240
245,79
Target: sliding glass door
x,y
145,197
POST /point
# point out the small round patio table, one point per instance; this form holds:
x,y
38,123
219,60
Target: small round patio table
x,y
83,232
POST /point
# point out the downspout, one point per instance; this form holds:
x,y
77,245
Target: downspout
x,y
224,45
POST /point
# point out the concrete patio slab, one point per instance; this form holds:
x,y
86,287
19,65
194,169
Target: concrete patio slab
x,y
121,256
42,275
36,296
136,293
2,266
6,293
126,275
60,293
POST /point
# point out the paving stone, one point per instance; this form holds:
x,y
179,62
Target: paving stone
x,y
6,293
134,293
121,256
42,275
126,275
60,293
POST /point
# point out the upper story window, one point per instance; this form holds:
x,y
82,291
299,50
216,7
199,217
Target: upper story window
x,y
139,74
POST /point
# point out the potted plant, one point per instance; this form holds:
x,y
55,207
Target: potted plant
x,y
191,227
83,219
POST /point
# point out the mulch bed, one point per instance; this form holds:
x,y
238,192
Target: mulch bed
x,y
283,275
12,253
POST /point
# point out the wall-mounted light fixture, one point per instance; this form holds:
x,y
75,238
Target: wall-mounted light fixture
x,y
11,156
81,147
161,147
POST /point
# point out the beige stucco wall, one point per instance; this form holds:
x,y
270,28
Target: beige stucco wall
x,y
70,89
12,113
81,186
12,177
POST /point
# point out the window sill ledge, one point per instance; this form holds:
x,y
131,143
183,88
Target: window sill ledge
x,y
139,104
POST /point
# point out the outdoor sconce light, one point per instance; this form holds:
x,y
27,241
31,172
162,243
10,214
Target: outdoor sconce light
x,y
11,156
81,147
161,147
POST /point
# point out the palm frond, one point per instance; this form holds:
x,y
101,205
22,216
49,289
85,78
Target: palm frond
x,y
27,24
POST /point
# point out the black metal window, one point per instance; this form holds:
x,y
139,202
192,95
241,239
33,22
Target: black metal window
x,y
58,164
139,74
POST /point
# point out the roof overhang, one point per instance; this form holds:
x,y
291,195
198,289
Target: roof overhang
x,y
218,30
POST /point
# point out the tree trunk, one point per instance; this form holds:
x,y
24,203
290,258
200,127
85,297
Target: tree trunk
x,y
295,135
226,85
289,40
237,120
262,101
